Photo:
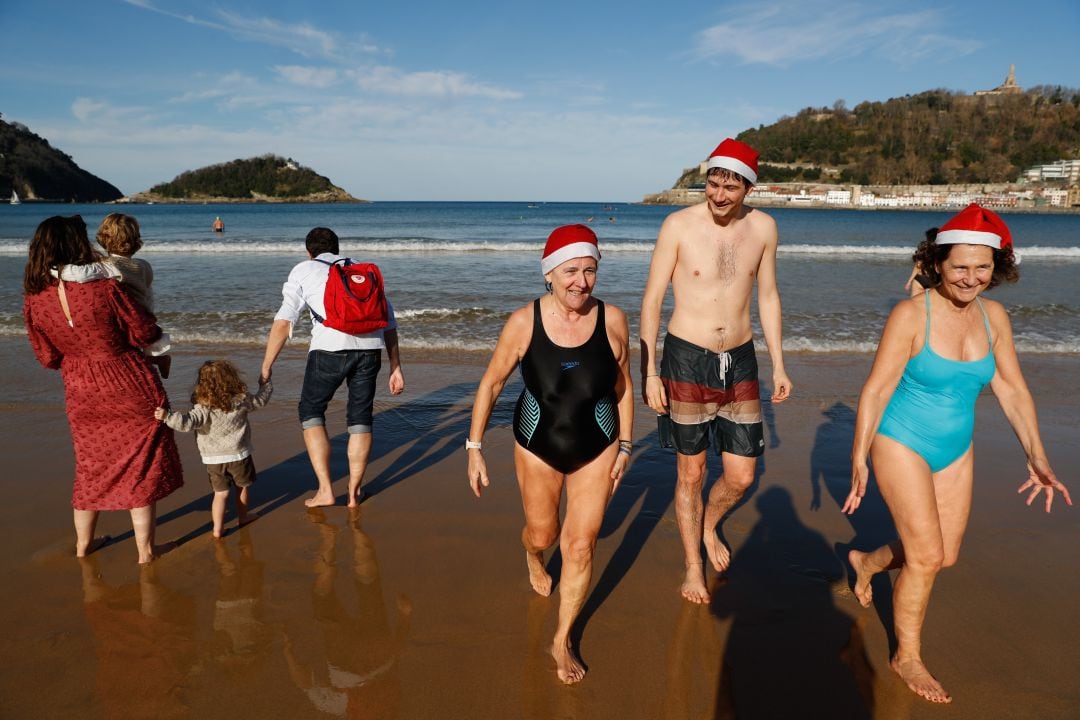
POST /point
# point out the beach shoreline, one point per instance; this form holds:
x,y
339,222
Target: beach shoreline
x,y
428,585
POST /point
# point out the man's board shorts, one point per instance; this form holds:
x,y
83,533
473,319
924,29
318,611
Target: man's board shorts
x,y
711,395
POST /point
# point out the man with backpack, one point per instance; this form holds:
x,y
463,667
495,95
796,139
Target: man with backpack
x,y
351,323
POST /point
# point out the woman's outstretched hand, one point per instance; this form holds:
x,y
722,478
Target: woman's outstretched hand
x,y
860,473
1041,478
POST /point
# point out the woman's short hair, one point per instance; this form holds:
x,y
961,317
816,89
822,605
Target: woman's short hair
x,y
58,241
929,255
119,234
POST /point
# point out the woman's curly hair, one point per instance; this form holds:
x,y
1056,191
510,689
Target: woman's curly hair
x,y
929,255
219,386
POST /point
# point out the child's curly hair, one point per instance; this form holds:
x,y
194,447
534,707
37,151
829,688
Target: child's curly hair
x,y
119,234
219,385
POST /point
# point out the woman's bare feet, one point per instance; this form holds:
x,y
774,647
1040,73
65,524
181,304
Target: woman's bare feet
x,y
863,574
693,587
92,546
919,679
568,666
719,555
147,555
538,575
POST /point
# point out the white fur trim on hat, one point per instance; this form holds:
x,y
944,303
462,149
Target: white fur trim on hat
x,y
968,237
569,252
733,164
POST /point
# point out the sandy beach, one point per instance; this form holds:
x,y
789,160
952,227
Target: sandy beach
x,y
418,606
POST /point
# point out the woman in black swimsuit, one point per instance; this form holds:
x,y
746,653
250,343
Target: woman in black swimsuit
x,y
572,423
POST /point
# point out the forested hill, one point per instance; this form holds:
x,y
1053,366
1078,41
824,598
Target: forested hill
x,y
935,137
268,178
38,171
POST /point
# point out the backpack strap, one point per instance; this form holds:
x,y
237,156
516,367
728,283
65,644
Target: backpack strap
x,y
316,317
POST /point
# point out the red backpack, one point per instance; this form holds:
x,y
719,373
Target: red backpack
x,y
354,298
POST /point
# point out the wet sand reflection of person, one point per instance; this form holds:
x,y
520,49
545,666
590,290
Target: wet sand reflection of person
x,y
144,639
356,674
238,610
790,651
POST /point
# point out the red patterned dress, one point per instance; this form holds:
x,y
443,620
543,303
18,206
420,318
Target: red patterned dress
x,y
124,458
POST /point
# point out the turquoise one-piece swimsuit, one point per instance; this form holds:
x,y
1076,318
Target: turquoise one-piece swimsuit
x,y
933,409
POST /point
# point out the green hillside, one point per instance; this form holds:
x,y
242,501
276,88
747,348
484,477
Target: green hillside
x,y
265,177
933,138
38,171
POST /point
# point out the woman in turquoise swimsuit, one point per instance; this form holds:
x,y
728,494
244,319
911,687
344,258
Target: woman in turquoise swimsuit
x,y
916,414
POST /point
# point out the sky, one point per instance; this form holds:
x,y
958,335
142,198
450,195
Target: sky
x,y
478,100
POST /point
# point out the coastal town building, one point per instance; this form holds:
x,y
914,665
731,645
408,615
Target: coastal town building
x,y
1009,87
1067,171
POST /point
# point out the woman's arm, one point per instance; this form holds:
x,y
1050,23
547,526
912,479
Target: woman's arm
x,y
45,352
618,333
513,342
1012,393
895,348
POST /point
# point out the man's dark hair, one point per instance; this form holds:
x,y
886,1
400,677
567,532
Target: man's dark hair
x,y
726,174
321,240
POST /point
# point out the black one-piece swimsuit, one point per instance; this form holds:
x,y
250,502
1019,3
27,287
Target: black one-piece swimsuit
x,y
567,414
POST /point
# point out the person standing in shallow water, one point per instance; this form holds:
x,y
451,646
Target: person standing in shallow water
x,y
573,422
707,384
916,416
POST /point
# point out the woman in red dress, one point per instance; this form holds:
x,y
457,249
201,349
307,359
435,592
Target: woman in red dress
x,y
124,458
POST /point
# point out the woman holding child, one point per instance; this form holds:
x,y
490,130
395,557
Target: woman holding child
x,y
92,332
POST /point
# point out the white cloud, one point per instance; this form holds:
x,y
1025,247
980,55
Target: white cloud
x,y
789,31
318,77
433,84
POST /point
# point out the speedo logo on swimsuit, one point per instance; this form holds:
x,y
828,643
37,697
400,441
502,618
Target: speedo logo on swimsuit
x,y
569,364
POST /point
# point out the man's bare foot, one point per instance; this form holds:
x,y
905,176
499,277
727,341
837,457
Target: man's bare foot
x,y
320,499
92,546
863,592
693,587
538,575
919,679
568,666
719,555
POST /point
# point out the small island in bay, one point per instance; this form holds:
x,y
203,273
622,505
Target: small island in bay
x,y
266,179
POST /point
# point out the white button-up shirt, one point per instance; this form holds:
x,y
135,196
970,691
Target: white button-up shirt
x,y
304,291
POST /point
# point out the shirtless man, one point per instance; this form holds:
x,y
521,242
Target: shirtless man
x,y
706,387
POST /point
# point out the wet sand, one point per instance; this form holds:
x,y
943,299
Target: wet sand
x,y
419,605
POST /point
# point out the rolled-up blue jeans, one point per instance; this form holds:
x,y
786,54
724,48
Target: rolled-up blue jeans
x,y
324,374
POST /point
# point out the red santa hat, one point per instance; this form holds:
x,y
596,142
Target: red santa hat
x,y
566,243
737,157
975,225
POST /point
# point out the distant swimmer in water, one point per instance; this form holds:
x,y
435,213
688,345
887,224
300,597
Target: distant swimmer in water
x,y
219,226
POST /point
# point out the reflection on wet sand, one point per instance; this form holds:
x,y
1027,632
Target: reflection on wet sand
x,y
693,663
242,637
143,636
347,665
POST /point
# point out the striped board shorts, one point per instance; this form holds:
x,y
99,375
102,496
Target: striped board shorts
x,y
711,394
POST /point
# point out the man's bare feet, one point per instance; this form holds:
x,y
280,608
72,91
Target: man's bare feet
x,y
863,592
320,499
538,575
919,679
92,546
719,555
568,666
693,587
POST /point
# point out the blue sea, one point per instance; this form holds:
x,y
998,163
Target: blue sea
x,y
455,270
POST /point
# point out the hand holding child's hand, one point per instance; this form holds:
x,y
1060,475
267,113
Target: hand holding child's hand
x,y
159,413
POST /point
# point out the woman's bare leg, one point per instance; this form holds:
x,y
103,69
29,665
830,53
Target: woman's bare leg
x,y
143,523
541,490
587,494
85,522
